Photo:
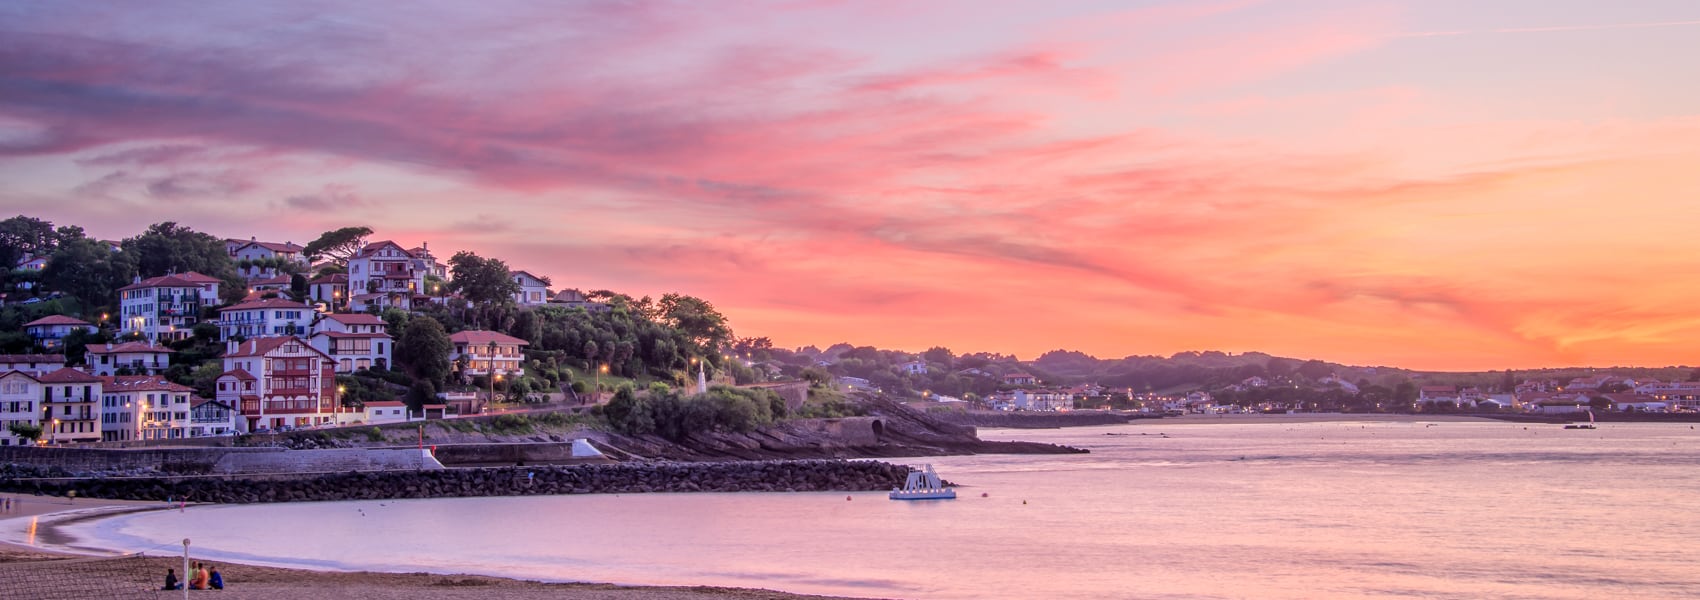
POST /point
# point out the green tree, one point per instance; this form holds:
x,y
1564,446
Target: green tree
x,y
22,236
423,350
337,246
697,319
88,270
77,343
422,392
482,280
298,290
939,355
25,430
167,248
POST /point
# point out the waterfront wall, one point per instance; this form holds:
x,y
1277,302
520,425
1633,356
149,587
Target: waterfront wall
x,y
216,461
765,476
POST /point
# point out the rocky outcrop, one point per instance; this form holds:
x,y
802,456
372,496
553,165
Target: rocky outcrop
x,y
891,430
766,476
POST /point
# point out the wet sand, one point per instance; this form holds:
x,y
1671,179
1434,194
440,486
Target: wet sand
x,y
42,542
1309,418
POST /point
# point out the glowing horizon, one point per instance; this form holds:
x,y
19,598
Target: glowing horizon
x,y
1430,185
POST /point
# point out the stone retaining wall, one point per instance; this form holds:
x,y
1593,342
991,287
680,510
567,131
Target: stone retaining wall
x,y
764,476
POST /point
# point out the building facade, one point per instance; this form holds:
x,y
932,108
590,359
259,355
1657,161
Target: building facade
x,y
50,331
70,401
354,340
483,351
135,358
276,382
533,290
263,318
20,404
165,308
384,274
144,407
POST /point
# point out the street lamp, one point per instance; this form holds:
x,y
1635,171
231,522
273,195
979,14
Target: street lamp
x,y
600,369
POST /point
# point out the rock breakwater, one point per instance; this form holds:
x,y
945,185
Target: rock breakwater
x,y
764,476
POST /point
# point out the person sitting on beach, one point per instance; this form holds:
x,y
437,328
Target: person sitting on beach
x,y
198,579
216,580
170,580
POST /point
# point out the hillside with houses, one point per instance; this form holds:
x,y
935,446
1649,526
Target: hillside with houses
x,y
175,333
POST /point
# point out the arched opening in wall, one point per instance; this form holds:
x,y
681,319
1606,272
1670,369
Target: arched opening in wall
x,y
879,429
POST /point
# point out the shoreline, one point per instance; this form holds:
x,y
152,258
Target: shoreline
x,y
45,514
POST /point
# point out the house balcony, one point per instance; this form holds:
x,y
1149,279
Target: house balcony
x,y
281,407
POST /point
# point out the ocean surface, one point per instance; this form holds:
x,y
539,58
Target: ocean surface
x,y
1157,510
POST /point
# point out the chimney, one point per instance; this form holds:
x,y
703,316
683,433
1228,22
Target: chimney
x,y
109,346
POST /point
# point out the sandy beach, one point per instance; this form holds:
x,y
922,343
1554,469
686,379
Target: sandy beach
x,y
258,582
1307,418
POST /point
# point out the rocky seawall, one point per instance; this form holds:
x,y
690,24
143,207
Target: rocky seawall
x,y
765,476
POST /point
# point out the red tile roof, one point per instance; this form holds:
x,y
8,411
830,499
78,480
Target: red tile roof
x,y
239,373
67,376
483,338
346,335
185,280
57,320
265,345
267,303
143,383
32,358
273,246
130,347
328,279
385,404
356,319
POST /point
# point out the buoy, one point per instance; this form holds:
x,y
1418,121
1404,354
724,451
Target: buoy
x,y
1023,501
846,498
985,495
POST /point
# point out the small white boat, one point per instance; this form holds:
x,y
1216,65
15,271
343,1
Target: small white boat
x,y
924,485
1590,424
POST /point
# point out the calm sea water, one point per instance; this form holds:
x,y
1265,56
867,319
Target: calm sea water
x,y
1157,510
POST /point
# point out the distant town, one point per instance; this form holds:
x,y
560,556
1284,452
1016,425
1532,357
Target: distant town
x,y
177,334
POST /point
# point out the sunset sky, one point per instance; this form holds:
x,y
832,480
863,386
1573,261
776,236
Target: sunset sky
x,y
1433,184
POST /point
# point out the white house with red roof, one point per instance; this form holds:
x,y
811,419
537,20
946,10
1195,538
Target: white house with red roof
x,y
533,289
144,407
484,350
330,289
138,358
278,284
268,317
34,364
385,274
354,340
255,250
165,308
20,398
385,411
1019,378
914,367
278,381
50,331
1430,394
70,407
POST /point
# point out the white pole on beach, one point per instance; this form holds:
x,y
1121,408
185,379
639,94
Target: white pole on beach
x,y
185,579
